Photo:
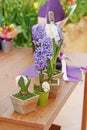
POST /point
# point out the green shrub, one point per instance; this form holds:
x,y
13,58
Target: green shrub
x,y
23,14
80,11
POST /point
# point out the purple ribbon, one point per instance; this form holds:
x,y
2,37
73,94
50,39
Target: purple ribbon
x,y
6,39
84,68
73,72
60,56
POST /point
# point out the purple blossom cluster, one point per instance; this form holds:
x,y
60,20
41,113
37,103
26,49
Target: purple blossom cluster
x,y
44,50
47,46
40,59
43,53
38,32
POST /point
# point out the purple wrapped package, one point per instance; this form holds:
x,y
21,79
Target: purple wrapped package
x,y
54,7
42,10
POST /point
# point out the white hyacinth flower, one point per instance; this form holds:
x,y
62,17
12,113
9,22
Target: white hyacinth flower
x,y
52,32
45,86
18,77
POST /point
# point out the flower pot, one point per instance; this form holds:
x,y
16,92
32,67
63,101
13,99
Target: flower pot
x,y
6,45
54,86
24,106
56,76
54,89
43,98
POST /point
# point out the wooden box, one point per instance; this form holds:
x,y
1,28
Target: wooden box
x,y
24,106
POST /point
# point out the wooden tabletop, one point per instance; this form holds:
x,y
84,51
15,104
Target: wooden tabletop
x,y
12,64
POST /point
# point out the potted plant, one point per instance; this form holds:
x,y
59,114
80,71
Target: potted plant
x,y
7,34
43,91
24,101
48,40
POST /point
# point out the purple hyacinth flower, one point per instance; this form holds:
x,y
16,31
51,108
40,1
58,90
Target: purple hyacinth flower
x,y
47,46
38,32
40,59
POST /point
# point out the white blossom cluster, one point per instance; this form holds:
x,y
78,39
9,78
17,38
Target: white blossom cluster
x,y
24,77
45,86
52,32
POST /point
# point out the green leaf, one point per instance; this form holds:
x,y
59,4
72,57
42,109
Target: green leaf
x,y
22,13
19,28
49,70
41,77
28,83
21,83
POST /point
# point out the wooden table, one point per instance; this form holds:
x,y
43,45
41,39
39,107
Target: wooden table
x,y
12,64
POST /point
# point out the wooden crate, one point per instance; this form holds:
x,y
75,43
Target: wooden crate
x,y
24,106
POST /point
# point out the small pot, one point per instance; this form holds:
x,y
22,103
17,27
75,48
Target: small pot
x,y
56,76
43,98
24,106
54,88
6,45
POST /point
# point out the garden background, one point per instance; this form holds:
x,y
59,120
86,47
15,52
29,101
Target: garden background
x,y
24,14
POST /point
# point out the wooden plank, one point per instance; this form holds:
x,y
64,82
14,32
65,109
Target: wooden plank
x,y
84,115
12,126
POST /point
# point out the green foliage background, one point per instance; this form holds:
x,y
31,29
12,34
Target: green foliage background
x,y
23,14
80,11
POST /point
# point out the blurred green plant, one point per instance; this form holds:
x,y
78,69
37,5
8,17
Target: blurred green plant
x,y
41,2
23,14
66,6
79,12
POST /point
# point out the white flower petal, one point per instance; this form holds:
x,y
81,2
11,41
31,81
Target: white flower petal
x,y
52,32
45,86
18,77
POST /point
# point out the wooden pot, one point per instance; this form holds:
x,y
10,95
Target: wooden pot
x,y
24,106
56,76
54,89
54,86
